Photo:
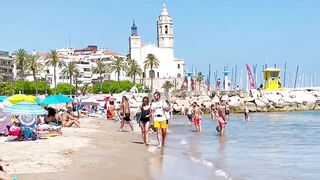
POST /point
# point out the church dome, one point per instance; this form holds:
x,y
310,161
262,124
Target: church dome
x,y
164,11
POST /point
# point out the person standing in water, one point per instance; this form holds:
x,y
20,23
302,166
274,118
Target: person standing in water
x,y
222,120
125,113
145,120
197,118
246,113
190,113
158,108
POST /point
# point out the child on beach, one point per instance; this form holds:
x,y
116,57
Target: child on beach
x,y
197,118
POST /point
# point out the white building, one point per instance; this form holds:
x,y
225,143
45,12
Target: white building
x,y
85,60
170,67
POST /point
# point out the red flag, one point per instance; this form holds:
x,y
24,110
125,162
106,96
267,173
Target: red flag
x,y
252,83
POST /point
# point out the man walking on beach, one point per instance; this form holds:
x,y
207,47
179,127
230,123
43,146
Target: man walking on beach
x,y
125,113
158,108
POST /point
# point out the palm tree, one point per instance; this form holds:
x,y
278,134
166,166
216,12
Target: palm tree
x,y
133,69
151,62
21,58
70,69
86,89
117,65
34,66
101,68
167,85
199,79
54,60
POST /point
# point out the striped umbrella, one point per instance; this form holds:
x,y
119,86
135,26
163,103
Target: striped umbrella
x,y
56,99
25,108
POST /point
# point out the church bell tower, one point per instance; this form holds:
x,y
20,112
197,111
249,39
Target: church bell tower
x,y
134,43
165,29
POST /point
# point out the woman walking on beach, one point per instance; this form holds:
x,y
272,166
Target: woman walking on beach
x,y
145,120
125,113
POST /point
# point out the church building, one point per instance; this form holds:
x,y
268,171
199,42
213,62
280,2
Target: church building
x,y
169,67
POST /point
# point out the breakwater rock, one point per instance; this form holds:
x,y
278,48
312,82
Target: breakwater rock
x,y
255,101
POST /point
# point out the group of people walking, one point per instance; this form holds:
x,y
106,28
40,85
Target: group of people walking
x,y
153,113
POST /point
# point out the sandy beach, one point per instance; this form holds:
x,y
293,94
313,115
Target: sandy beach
x,y
94,150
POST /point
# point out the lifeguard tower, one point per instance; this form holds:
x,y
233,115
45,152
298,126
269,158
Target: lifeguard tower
x,y
272,79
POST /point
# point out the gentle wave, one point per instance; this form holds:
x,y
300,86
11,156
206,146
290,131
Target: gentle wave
x,y
205,162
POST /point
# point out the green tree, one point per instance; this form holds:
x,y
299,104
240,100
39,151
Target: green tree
x,y
199,79
20,60
55,61
70,69
63,88
117,65
133,69
34,66
101,67
167,85
151,62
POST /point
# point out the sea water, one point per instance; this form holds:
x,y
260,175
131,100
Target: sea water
x,y
268,146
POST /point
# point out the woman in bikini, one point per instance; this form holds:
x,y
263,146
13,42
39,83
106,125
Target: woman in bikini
x,y
144,120
69,120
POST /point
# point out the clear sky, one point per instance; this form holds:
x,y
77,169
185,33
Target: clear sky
x,y
219,32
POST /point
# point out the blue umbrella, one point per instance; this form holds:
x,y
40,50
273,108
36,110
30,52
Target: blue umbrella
x,y
25,108
2,98
56,99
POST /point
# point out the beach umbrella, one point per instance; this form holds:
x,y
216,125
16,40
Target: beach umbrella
x,y
25,108
21,98
56,99
99,98
90,101
2,98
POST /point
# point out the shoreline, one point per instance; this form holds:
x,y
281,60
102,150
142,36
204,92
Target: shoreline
x,y
107,154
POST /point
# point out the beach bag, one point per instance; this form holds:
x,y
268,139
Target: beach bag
x,y
138,116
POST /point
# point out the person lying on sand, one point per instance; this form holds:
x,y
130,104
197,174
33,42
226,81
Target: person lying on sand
x,y
4,175
69,120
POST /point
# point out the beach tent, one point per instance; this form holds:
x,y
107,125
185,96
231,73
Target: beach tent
x,y
56,99
21,98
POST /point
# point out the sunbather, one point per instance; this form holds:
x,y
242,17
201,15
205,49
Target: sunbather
x,y
4,175
69,120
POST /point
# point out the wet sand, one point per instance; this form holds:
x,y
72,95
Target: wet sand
x,y
110,155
